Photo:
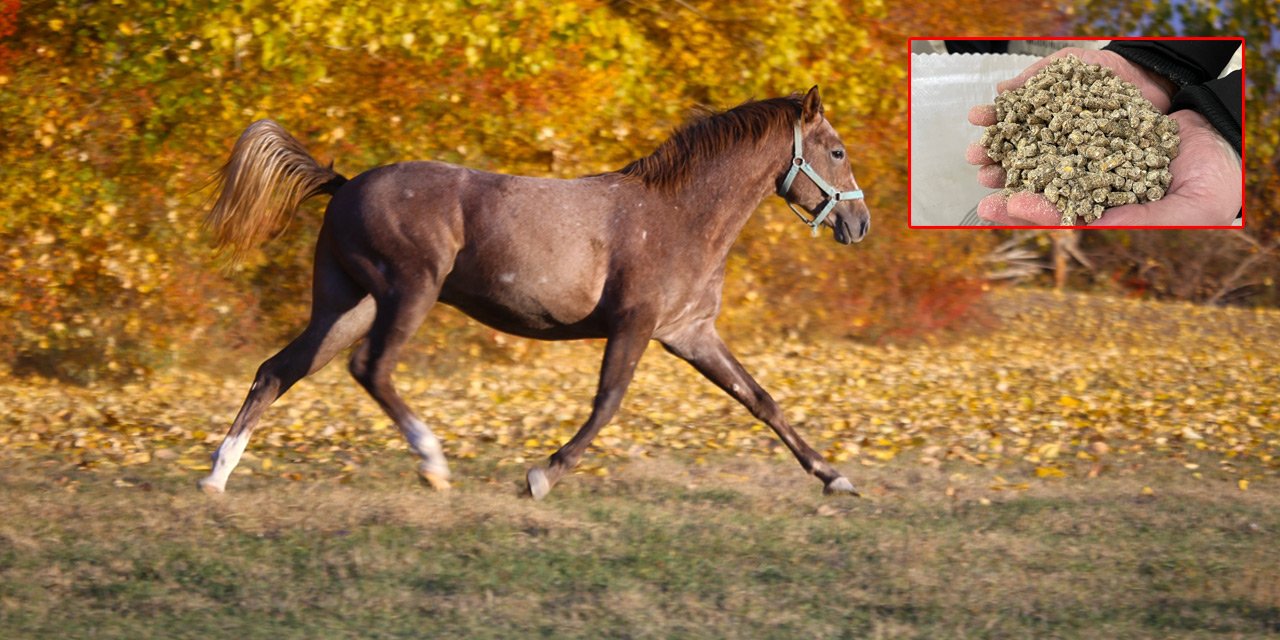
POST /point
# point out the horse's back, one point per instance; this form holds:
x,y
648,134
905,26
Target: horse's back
x,y
398,196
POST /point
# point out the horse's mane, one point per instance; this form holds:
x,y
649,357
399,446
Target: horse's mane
x,y
709,134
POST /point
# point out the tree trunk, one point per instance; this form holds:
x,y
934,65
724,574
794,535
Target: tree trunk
x,y
1063,243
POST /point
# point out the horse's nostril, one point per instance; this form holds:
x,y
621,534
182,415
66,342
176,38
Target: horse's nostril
x,y
864,227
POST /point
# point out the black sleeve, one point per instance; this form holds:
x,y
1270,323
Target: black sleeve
x,y
1219,101
1185,62
977,46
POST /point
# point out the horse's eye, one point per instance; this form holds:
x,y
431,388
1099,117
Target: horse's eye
x,y
838,154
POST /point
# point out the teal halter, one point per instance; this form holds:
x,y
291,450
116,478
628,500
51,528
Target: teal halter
x,y
798,164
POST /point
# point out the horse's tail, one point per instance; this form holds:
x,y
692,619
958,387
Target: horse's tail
x,y
268,176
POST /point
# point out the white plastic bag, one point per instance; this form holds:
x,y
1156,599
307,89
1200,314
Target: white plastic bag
x,y
944,188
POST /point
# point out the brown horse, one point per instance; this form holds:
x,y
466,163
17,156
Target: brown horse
x,y
631,256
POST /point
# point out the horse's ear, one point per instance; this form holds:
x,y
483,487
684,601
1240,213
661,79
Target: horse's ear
x,y
811,108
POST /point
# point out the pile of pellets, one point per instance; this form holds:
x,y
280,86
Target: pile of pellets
x,y
1084,138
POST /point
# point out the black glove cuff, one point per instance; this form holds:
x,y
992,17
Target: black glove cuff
x,y
1211,101
1181,74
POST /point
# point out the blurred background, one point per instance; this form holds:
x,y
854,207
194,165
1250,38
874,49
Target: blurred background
x,y
115,116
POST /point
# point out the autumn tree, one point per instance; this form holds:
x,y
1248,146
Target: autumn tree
x,y
115,117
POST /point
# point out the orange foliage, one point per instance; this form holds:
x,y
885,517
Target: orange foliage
x,y
8,25
1027,18
118,115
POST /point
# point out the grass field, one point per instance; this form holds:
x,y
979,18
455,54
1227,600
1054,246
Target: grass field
x,y
660,548
1090,468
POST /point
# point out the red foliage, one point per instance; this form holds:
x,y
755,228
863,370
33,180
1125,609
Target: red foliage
x,y
8,27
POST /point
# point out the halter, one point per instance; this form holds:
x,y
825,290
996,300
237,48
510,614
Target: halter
x,y
798,164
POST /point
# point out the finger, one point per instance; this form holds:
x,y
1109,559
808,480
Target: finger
x,y
1172,210
977,154
993,209
983,115
991,176
1021,78
1034,208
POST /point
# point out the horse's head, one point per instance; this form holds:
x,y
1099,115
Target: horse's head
x,y
820,179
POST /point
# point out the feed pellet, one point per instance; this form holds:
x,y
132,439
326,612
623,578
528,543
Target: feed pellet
x,y
1084,138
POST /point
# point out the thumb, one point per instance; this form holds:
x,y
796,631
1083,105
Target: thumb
x,y
1174,209
1035,209
1021,78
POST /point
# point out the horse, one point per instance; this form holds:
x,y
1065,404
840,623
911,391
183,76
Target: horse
x,y
631,256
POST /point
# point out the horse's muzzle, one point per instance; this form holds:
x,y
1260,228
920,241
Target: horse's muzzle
x,y
850,231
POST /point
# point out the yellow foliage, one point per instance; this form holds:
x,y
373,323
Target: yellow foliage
x,y
101,228
932,403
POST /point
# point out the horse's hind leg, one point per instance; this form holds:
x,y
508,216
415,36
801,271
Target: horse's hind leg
x,y
341,313
400,312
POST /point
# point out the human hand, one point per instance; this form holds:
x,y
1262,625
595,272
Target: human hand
x,y
1205,190
1206,174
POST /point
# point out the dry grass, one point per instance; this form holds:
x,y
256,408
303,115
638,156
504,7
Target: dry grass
x,y
660,548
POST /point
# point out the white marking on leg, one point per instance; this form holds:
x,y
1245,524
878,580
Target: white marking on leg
x,y
507,278
539,486
425,443
225,460
840,485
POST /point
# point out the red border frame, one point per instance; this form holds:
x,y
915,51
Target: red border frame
x,y
1243,128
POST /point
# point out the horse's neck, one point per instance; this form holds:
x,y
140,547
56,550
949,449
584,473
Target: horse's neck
x,y
726,190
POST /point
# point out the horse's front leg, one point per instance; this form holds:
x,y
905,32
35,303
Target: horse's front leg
x,y
701,346
621,354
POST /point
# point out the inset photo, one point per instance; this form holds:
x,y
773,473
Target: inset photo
x,y
1033,133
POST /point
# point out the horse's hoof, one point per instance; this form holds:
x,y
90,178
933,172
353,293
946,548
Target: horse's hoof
x,y
539,486
840,486
211,488
435,481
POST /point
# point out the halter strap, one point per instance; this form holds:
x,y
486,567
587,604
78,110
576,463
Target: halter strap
x,y
833,195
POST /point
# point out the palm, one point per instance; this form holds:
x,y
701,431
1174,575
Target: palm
x,y
1206,182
